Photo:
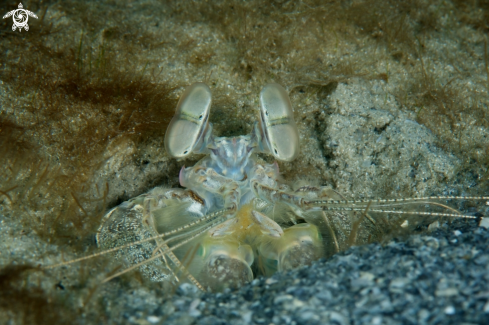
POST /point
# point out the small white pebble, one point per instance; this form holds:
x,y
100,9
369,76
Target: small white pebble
x,y
367,276
296,303
377,320
450,310
486,307
457,232
270,281
338,318
433,226
484,223
448,292
192,310
153,319
247,317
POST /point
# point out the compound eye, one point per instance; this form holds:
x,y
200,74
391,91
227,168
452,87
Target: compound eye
x,y
277,122
187,127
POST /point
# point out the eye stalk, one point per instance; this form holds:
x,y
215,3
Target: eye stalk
x,y
187,129
278,131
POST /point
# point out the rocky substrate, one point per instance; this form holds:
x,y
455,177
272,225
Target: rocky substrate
x,y
435,278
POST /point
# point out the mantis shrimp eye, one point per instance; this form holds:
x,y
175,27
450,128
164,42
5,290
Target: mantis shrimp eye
x,y
278,127
187,127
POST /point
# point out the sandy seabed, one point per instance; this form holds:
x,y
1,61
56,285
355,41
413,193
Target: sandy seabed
x,y
391,100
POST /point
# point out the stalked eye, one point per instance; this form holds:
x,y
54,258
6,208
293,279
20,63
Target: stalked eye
x,y
280,133
186,129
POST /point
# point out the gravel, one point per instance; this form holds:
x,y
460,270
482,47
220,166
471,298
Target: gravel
x,y
434,278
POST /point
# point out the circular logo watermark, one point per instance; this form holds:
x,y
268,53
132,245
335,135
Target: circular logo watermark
x,y
20,17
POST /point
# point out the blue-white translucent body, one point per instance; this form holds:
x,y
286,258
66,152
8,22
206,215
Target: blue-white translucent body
x,y
233,218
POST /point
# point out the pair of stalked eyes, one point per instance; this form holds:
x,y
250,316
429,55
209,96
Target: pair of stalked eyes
x,y
279,133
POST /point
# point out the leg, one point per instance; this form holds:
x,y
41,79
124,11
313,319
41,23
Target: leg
x,y
145,216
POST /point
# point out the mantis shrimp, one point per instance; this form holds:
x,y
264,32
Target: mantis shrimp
x,y
233,218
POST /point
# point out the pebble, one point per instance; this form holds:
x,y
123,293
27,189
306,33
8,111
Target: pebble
x,y
450,310
486,307
484,223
